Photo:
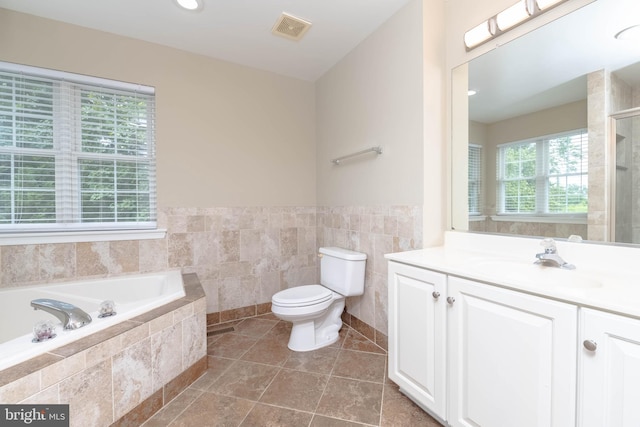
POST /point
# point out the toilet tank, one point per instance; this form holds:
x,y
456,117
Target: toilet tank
x,y
342,270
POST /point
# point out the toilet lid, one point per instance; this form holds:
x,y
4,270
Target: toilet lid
x,y
302,295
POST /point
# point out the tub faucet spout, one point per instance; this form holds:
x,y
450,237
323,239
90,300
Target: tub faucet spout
x,y
71,316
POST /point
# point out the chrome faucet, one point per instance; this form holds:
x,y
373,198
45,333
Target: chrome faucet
x,y
71,316
550,256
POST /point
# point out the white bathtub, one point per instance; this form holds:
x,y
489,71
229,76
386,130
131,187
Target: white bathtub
x,y
133,295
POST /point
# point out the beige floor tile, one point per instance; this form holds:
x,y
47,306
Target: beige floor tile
x,y
322,421
173,409
320,361
272,416
357,341
253,379
360,366
216,367
245,380
231,346
295,390
268,351
281,331
399,411
213,410
254,327
352,400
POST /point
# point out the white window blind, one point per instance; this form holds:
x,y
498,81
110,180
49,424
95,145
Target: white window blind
x,y
476,201
76,152
544,176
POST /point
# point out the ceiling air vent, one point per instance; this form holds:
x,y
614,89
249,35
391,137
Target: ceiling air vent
x,y
290,27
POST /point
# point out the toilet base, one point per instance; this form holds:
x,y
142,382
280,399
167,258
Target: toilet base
x,y
317,333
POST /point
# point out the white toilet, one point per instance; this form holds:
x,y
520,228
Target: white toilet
x,y
315,310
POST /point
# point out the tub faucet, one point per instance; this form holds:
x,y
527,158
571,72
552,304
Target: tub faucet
x,y
71,316
550,256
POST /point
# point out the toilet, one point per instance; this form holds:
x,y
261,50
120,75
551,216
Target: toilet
x,y
316,310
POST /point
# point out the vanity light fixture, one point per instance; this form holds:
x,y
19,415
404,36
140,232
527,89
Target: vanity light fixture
x,y
546,4
511,17
515,14
479,34
192,5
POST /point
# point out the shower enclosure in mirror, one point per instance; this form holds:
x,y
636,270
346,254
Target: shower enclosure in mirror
x,y
626,209
537,132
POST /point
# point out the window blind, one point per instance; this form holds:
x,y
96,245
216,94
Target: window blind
x,y
476,202
76,152
544,176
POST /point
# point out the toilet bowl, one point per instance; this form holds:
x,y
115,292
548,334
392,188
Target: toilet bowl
x,y
316,310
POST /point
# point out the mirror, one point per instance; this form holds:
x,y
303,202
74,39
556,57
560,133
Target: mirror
x,y
534,150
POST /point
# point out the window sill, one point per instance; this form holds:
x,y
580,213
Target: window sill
x,y
541,219
10,239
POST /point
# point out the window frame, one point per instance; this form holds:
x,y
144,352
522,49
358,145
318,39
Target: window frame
x,y
70,151
541,177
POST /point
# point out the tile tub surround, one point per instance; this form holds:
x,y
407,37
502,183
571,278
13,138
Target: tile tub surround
x,y
122,375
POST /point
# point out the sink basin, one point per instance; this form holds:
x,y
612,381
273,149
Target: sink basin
x,y
535,274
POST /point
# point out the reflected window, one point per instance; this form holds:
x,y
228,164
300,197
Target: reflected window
x,y
544,176
475,180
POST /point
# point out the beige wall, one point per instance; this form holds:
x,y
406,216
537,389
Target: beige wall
x,y
374,97
227,135
389,91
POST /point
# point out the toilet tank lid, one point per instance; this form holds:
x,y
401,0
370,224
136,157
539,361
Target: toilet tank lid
x,y
343,253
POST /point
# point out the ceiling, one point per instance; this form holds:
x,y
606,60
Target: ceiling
x,y
548,66
237,31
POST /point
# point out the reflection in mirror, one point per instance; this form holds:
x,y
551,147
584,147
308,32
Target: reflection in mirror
x,y
538,128
626,210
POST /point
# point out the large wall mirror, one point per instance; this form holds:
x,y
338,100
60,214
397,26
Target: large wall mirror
x,y
551,137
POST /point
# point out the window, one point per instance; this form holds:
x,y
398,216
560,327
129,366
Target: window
x,y
475,179
76,152
544,176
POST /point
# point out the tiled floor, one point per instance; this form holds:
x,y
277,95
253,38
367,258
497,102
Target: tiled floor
x,y
255,380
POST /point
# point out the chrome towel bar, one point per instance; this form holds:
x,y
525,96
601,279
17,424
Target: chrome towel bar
x,y
377,149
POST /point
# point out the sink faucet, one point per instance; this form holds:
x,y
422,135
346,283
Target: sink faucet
x,y
550,256
71,316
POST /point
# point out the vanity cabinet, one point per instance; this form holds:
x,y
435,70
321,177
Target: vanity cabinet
x,y
511,357
417,328
609,365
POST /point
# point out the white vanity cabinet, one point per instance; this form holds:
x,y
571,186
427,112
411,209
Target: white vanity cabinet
x,y
417,328
609,365
511,357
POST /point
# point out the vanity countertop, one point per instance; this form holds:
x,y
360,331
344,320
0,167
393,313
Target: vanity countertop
x,y
605,277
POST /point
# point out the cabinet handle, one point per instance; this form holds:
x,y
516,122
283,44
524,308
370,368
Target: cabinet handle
x,y
435,294
451,300
590,345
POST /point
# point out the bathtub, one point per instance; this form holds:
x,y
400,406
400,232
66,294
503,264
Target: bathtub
x,y
133,295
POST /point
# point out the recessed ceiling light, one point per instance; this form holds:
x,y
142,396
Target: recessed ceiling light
x,y
630,33
471,92
192,5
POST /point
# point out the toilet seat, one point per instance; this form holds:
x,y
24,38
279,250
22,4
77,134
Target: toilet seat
x,y
301,296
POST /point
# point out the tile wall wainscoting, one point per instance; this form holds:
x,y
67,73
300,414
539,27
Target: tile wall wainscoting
x,y
242,255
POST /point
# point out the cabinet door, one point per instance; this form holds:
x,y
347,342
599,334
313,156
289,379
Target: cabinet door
x,y
609,371
512,358
417,335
